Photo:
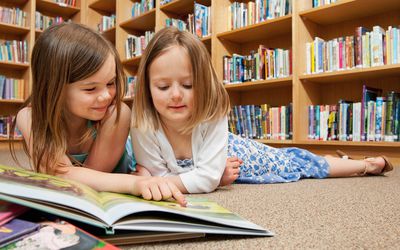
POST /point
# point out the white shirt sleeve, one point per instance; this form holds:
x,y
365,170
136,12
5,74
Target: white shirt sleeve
x,y
210,147
147,151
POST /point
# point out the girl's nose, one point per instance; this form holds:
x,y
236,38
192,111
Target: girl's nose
x,y
176,93
104,96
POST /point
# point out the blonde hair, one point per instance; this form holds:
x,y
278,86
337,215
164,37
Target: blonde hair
x,y
210,101
62,54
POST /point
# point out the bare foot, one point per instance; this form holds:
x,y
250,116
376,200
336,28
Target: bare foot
x,y
374,165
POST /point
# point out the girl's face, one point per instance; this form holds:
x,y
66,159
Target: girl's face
x,y
170,76
90,98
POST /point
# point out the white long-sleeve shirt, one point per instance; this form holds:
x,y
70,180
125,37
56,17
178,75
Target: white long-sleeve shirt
x,y
209,153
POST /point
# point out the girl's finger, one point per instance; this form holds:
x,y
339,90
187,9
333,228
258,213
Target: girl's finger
x,y
178,196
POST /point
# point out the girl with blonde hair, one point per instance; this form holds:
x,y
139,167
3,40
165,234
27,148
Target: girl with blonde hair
x,y
180,128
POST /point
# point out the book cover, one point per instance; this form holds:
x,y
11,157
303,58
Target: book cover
x,y
9,211
113,211
15,229
59,235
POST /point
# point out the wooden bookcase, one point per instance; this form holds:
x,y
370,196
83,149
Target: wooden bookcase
x,y
29,33
289,32
94,12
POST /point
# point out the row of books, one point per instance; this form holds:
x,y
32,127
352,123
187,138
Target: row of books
x,y
11,88
244,14
264,64
198,23
261,121
14,51
5,127
130,86
141,7
372,119
42,22
135,45
66,2
366,49
14,16
107,22
318,3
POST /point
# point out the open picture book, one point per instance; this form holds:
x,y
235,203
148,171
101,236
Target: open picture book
x,y
114,212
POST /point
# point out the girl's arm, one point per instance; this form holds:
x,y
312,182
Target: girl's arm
x,y
151,188
109,145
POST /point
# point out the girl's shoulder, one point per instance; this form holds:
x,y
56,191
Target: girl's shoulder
x,y
25,114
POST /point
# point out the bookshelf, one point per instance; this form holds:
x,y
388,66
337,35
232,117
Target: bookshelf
x,y
291,31
328,22
28,32
96,9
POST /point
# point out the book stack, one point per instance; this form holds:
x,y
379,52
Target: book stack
x,y
243,14
135,45
375,118
42,22
11,89
107,22
14,51
142,7
14,16
318,3
261,122
262,64
363,50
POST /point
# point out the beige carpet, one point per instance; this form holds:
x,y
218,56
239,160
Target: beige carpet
x,y
330,213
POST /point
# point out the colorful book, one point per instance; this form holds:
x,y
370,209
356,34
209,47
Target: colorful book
x,y
14,230
58,235
9,211
113,212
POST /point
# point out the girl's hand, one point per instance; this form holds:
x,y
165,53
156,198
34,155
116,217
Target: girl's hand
x,y
157,188
231,172
141,171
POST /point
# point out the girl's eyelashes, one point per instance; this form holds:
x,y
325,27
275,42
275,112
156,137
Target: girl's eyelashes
x,y
187,86
89,89
111,84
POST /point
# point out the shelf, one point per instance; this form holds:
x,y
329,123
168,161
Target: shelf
x,y
56,8
6,28
351,143
4,139
11,101
14,65
345,10
144,22
16,2
104,5
109,34
132,61
354,74
183,7
265,141
259,31
262,84
206,40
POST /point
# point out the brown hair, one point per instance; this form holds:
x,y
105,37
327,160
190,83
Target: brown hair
x,y
211,101
62,54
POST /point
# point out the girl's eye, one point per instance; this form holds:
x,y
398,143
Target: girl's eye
x,y
110,84
91,89
163,87
187,86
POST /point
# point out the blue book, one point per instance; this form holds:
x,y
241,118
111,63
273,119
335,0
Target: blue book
x,y
15,229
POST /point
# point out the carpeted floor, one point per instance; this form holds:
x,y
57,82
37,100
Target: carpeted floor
x,y
330,213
